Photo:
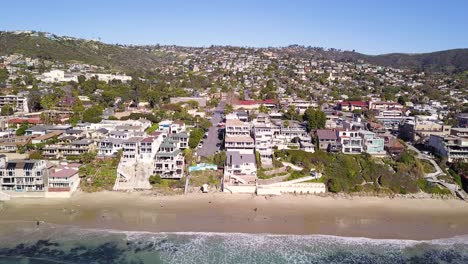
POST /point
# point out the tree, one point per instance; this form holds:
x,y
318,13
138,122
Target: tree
x,y
7,110
81,79
258,159
219,158
195,136
193,104
204,123
228,109
93,114
263,109
77,115
3,75
34,100
22,129
49,101
88,157
402,100
315,119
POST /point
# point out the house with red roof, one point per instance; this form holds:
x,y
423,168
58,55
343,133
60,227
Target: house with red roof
x,y
63,180
255,104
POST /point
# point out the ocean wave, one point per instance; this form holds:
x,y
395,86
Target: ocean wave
x,y
71,244
132,235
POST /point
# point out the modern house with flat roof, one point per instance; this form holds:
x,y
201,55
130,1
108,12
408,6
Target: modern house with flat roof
x,y
373,145
451,147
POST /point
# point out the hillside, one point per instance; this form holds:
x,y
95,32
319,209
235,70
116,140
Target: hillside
x,y
47,46
455,60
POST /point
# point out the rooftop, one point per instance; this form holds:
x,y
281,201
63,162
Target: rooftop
x,y
237,158
326,134
64,173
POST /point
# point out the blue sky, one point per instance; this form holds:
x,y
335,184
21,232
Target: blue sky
x,y
372,27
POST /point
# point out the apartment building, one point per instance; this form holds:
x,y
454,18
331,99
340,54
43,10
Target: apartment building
x,y
292,134
75,148
352,105
263,131
237,128
169,161
462,119
451,147
422,129
382,105
23,175
389,118
239,142
109,147
18,103
111,125
459,132
300,105
131,148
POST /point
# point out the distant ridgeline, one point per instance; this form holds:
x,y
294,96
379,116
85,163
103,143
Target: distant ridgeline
x,y
53,47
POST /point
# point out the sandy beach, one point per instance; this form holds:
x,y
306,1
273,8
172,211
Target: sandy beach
x,y
372,217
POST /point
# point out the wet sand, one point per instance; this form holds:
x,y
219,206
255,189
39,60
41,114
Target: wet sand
x,y
372,217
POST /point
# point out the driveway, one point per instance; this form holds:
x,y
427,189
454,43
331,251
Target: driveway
x,y
209,144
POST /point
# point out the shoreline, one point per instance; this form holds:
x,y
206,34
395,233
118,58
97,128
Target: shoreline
x,y
367,217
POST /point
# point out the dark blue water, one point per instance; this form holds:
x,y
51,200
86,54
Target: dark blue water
x,y
61,244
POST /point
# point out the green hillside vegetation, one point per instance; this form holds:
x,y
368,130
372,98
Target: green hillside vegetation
x,y
147,58
357,173
455,60
99,175
67,49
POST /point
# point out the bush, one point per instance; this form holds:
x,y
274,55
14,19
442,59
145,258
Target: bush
x,y
37,155
343,173
155,179
432,188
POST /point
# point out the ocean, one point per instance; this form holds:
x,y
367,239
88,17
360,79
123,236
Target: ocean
x,y
52,244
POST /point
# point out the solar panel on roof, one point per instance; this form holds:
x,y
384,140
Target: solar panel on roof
x,y
28,166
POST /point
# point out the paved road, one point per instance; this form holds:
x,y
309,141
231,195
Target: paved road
x,y
209,146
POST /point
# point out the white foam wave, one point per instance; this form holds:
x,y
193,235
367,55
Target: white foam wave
x,y
257,238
